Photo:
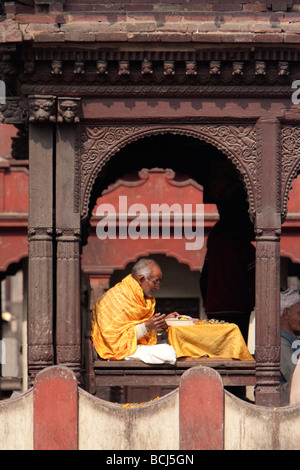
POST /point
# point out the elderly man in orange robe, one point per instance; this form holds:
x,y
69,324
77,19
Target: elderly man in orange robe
x,y
124,324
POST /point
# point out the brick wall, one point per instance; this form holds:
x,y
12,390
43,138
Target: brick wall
x,y
181,7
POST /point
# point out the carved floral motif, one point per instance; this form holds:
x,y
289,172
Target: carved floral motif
x,y
290,161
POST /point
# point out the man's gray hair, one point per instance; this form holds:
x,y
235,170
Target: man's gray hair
x,y
288,298
143,267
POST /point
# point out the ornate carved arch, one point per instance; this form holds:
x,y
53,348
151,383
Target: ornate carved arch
x,y
100,143
290,162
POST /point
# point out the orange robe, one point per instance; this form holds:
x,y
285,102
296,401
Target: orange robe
x,y
115,316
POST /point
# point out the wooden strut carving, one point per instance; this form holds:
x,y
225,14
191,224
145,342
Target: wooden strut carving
x,y
290,162
100,143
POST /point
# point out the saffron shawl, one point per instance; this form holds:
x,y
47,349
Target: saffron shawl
x,y
115,316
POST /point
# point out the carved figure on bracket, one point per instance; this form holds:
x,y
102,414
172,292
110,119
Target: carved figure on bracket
x,y
169,67
79,67
68,110
146,67
101,67
191,67
283,68
238,68
215,67
124,67
41,108
56,67
260,67
8,67
14,111
29,66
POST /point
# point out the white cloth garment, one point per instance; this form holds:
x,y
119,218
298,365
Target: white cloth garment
x,y
141,330
155,354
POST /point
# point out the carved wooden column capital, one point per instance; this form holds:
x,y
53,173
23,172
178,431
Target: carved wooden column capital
x,y
267,234
42,108
40,242
68,110
68,243
49,109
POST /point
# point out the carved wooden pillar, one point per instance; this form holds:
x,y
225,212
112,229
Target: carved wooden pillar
x,y
68,336
40,222
268,225
99,284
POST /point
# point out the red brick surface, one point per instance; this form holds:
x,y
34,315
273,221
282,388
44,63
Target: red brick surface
x,y
222,21
55,410
201,410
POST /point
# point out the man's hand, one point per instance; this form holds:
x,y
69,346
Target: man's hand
x,y
157,322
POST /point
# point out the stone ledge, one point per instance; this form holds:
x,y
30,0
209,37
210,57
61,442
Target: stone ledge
x,y
275,28
95,33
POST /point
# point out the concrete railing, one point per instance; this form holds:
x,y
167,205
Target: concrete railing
x,y
57,414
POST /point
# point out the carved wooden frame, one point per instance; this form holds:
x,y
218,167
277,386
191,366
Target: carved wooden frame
x,y
99,143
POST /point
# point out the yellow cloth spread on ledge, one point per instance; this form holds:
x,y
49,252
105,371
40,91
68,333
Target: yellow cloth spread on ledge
x,y
213,340
114,318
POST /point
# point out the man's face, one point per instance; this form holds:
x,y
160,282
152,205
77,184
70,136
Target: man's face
x,y
151,284
293,318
